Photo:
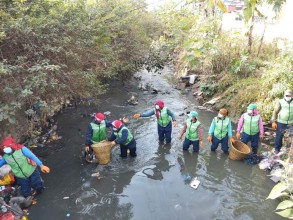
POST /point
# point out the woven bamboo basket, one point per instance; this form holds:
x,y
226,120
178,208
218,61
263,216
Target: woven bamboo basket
x,y
102,151
238,150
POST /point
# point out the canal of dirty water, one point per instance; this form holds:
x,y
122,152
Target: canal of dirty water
x,y
155,184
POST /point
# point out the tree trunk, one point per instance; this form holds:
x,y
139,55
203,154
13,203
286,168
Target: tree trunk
x,y
250,38
262,37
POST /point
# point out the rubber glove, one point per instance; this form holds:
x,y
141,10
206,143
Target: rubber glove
x,y
209,138
261,136
174,123
45,169
274,125
231,140
86,148
238,135
137,115
201,144
125,120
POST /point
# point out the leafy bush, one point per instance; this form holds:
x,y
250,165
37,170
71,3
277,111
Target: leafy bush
x,y
55,50
208,89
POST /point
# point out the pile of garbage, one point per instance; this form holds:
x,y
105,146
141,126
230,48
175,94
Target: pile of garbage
x,y
270,161
12,205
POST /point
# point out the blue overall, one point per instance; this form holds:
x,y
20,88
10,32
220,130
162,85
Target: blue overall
x,y
245,138
279,135
188,142
33,181
132,148
223,142
165,132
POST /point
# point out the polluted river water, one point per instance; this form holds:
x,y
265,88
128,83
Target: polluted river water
x,y
155,184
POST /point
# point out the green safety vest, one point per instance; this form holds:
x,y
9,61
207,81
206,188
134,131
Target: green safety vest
x,y
191,130
99,132
285,115
250,125
164,118
129,137
221,128
19,164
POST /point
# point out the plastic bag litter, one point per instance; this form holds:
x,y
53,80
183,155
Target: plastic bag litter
x,y
97,175
107,113
194,183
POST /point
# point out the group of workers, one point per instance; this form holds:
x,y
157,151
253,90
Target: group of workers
x,y
250,128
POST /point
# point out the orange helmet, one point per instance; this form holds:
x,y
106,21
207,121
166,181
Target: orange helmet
x,y
117,124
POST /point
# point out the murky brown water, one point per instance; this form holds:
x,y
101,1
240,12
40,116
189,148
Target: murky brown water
x,y
155,184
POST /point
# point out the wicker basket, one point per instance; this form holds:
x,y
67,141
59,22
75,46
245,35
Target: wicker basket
x,y
102,151
238,150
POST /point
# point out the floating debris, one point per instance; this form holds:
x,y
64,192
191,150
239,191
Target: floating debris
x,y
201,107
65,197
132,100
96,175
107,113
194,183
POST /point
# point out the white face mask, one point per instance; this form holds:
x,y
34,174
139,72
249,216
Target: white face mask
x,y
7,150
288,99
157,107
249,111
220,116
114,129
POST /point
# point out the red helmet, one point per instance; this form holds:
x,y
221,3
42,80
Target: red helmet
x,y
160,103
99,117
117,124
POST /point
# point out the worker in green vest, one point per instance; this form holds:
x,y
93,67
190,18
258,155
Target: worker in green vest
x,y
23,164
220,131
193,134
96,132
165,119
250,123
282,118
122,136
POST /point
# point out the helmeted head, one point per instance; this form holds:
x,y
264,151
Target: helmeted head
x,y
193,114
8,145
251,108
117,124
159,104
99,117
222,113
288,94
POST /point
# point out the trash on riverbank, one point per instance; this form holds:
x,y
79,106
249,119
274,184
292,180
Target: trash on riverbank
x,y
212,101
275,179
40,140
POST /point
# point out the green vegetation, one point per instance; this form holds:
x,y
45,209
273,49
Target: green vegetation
x,y
232,65
55,50
283,191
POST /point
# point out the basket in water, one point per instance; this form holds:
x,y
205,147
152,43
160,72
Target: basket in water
x,y
238,150
102,151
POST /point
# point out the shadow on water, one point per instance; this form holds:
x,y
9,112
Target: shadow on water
x,y
155,184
